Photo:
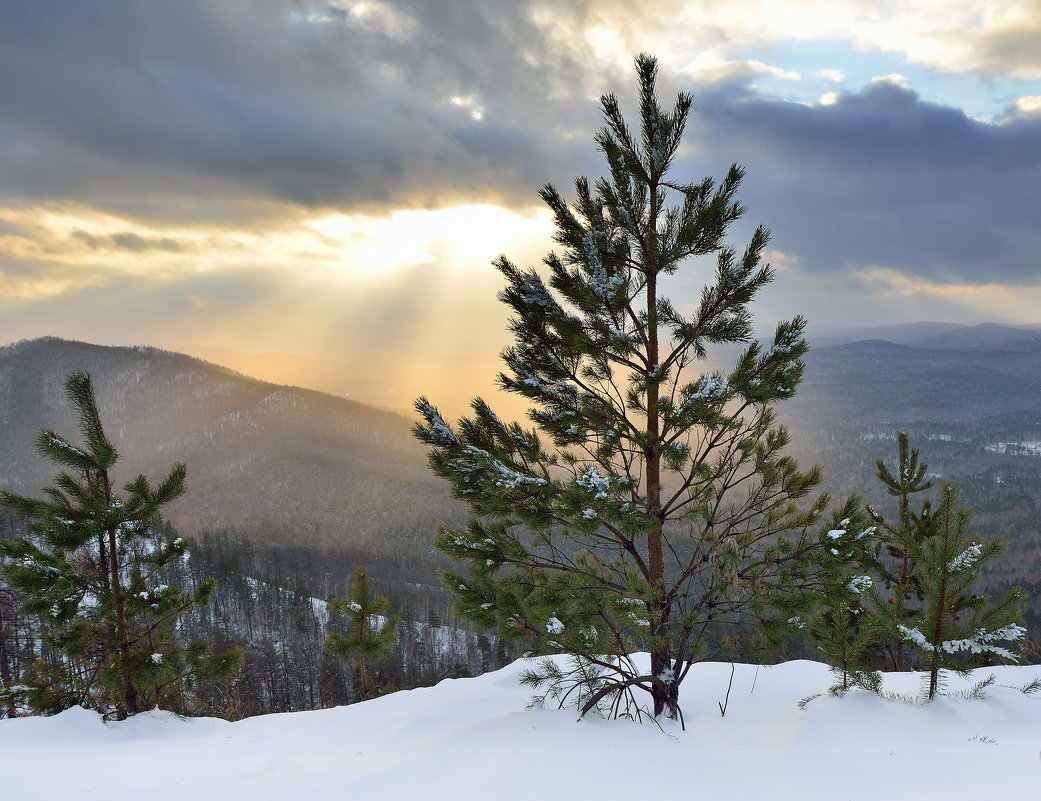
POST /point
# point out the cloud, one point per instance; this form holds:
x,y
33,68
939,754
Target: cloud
x,y
997,38
882,177
245,108
709,67
149,106
894,78
129,241
833,75
759,68
1030,104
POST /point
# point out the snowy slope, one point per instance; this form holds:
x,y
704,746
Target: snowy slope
x,y
474,739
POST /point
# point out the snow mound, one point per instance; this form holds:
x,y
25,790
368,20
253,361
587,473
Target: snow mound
x,y
475,739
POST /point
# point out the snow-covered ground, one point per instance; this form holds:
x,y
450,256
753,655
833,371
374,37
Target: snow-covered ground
x,y
1030,448
474,739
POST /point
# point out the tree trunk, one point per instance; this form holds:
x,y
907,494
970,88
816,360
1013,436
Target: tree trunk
x,y
104,568
116,587
6,675
663,689
934,666
905,523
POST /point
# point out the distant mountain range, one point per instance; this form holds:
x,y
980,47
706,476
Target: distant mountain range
x,y
956,376
970,399
933,335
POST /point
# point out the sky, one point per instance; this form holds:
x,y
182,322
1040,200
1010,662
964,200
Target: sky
x,y
312,191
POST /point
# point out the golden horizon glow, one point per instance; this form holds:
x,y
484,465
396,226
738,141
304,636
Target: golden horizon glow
x,y
998,301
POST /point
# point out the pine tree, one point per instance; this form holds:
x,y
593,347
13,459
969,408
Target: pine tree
x,y
922,595
843,629
903,539
651,501
371,637
90,567
956,627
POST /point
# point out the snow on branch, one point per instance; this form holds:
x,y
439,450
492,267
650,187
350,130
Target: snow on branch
x,y
981,642
602,286
709,388
438,428
966,558
511,479
595,483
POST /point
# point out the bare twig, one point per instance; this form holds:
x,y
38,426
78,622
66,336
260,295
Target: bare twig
x,y
723,705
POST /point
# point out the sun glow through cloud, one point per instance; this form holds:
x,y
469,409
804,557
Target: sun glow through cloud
x,y
409,237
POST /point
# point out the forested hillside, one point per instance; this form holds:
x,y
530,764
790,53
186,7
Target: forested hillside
x,y
271,600
283,464
289,491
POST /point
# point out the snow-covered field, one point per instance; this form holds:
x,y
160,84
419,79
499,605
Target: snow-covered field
x,y
474,739
1015,448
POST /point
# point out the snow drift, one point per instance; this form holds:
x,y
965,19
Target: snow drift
x,y
475,739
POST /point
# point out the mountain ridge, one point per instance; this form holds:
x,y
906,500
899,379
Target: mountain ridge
x,y
262,457
930,335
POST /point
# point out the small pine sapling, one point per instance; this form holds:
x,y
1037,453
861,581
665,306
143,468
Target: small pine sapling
x,y
89,567
958,629
370,636
582,685
902,538
842,629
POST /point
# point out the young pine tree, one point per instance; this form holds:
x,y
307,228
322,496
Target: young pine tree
x,y
955,627
89,568
903,540
368,639
652,500
842,628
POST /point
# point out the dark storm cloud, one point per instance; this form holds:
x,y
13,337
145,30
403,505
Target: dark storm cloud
x,y
114,104
883,178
